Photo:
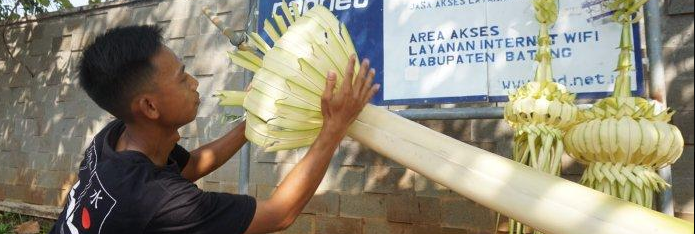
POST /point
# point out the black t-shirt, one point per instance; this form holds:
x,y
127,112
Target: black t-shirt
x,y
124,192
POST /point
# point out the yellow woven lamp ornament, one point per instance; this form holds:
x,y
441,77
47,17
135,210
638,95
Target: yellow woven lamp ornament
x,y
284,102
283,112
541,110
625,139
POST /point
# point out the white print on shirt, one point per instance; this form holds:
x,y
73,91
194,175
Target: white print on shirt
x,y
70,210
94,199
83,213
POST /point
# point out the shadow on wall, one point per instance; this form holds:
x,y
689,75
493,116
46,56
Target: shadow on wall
x,y
45,119
678,60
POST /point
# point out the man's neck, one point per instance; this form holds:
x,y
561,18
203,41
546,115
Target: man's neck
x,y
153,141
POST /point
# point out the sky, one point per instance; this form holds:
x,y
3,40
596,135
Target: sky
x,y
77,3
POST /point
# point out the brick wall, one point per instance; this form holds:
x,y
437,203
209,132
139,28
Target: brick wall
x,y
46,121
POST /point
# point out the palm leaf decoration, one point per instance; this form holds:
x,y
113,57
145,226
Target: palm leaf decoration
x,y
284,102
541,110
623,139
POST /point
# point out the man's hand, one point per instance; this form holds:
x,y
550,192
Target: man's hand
x,y
341,109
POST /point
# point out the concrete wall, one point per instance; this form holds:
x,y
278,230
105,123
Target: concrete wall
x,y
677,27
46,121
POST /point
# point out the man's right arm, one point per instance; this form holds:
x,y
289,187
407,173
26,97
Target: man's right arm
x,y
339,111
295,191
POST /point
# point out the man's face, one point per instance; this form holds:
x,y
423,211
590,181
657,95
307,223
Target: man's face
x,y
175,90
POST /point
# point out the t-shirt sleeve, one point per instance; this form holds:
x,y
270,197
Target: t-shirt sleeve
x,y
180,156
192,210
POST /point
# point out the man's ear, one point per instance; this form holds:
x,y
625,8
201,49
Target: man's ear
x,y
147,106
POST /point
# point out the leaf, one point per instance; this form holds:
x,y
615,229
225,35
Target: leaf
x,y
43,3
231,98
64,4
258,42
270,30
243,61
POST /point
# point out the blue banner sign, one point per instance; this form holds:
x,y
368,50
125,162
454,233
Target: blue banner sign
x,y
433,51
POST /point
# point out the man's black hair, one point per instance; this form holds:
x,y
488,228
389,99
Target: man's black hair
x,y
118,65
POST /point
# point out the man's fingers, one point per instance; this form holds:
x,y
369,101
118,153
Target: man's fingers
x,y
349,75
330,85
372,92
359,80
368,82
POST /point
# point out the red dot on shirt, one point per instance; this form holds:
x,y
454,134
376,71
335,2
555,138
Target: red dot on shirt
x,y
86,221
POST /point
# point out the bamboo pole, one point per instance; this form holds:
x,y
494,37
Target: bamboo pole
x,y
548,203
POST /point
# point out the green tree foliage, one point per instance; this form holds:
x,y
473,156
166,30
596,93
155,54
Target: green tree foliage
x,y
14,9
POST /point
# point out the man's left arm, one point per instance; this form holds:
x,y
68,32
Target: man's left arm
x,y
212,155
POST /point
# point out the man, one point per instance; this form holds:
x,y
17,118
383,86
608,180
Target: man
x,y
136,179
